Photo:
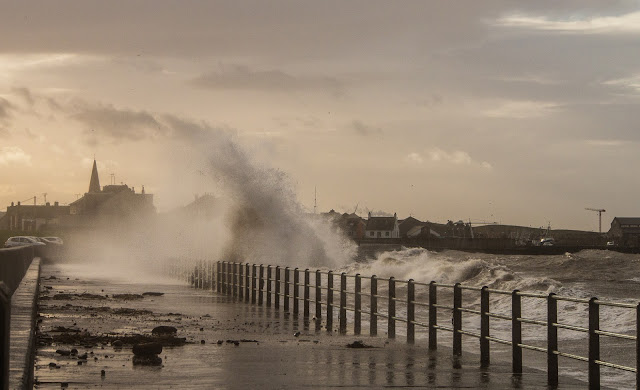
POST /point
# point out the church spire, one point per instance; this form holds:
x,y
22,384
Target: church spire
x,y
94,184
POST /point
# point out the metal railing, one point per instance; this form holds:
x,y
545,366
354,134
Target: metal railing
x,y
251,283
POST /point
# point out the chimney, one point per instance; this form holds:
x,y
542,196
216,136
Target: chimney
x,y
48,203
369,214
18,203
11,204
56,204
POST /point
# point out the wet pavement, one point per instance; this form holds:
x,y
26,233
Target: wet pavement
x,y
227,345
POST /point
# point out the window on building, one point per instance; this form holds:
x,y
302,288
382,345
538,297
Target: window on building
x,y
371,234
386,234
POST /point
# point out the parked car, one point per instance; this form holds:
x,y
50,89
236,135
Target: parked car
x,y
22,241
53,240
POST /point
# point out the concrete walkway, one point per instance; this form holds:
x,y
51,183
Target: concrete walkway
x,y
23,310
230,345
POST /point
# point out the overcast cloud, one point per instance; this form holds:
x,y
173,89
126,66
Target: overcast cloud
x,y
522,112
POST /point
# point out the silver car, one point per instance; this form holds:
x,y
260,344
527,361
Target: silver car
x,y
22,241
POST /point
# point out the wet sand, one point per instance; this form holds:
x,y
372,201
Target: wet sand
x,y
228,345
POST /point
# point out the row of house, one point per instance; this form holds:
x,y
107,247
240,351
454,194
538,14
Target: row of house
x,y
625,231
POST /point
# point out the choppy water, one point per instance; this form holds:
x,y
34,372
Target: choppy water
x,y
609,276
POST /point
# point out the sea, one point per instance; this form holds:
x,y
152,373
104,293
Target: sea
x,y
607,275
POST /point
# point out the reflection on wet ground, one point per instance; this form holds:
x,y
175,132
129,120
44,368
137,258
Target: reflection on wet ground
x,y
269,352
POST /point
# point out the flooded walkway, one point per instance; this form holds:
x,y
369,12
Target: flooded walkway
x,y
228,345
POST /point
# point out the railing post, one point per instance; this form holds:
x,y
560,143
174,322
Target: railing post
x,y
411,311
516,331
373,320
306,295
286,289
212,276
5,330
234,275
224,277
552,340
433,316
457,320
485,355
240,281
296,291
277,288
228,286
201,274
318,298
253,283
594,344
391,321
219,276
343,303
330,301
357,315
247,283
268,286
261,285
196,275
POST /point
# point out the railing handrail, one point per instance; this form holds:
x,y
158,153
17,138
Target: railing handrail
x,y
238,279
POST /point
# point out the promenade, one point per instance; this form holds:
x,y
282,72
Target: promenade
x,y
229,345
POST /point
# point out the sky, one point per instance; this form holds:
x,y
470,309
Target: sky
x,y
517,112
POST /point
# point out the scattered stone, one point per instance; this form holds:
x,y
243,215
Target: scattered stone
x,y
65,296
201,341
83,356
147,360
79,362
131,312
152,294
219,342
297,334
102,373
117,343
64,329
147,349
63,352
164,330
64,384
201,329
358,344
128,297
53,365
74,351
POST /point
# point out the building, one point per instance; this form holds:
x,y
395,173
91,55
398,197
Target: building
x,y
409,224
117,201
625,231
32,218
353,226
382,227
